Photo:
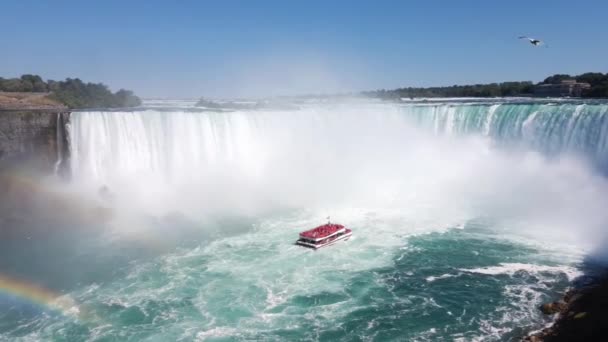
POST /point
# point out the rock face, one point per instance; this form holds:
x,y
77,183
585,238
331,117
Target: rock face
x,y
35,140
582,315
552,308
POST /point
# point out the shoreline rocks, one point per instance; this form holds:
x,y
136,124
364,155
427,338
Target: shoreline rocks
x,y
582,315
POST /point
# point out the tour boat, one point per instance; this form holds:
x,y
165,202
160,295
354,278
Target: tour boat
x,y
324,235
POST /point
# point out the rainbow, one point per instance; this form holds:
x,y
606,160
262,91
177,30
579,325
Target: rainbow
x,y
38,295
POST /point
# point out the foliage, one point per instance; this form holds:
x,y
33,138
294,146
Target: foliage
x,y
27,83
557,79
72,92
477,90
207,103
597,80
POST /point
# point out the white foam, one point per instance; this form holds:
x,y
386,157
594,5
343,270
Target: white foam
x,y
217,332
512,268
333,157
365,166
443,276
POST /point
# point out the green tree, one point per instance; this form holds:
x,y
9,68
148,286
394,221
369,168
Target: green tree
x,y
593,78
557,78
126,98
35,83
16,85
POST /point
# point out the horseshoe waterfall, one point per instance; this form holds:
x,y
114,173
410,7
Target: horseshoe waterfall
x,y
466,215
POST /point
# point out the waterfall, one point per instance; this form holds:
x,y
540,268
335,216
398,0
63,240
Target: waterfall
x,y
553,129
60,139
518,162
189,144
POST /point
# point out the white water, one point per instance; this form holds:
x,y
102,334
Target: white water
x,y
374,158
465,219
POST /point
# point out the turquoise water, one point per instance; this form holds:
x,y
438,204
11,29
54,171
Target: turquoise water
x,y
465,218
464,282
553,128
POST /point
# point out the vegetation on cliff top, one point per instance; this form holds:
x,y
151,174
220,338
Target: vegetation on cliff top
x,y
72,92
598,82
476,90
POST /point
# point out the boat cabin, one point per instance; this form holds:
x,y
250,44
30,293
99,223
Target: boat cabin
x,y
324,235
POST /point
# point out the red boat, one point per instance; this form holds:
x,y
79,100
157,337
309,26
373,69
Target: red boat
x,y
324,235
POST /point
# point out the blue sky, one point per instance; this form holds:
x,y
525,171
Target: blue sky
x,y
266,48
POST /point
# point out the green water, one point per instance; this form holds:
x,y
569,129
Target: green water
x,y
455,282
465,218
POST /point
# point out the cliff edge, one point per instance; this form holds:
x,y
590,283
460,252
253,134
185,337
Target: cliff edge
x,y
580,315
28,101
32,133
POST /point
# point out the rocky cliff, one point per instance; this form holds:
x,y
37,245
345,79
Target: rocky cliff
x,y
34,139
580,314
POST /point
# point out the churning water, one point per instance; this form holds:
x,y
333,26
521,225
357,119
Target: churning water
x,y
466,216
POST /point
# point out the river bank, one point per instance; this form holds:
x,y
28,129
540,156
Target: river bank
x,y
580,314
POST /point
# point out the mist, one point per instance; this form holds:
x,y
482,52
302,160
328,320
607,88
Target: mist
x,y
345,160
188,210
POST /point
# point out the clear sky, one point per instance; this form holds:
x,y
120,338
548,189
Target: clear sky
x,y
264,48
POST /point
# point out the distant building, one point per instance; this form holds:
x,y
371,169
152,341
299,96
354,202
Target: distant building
x,y
567,88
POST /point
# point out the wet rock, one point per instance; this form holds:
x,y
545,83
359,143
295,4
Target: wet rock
x,y
33,140
574,297
533,338
580,315
553,308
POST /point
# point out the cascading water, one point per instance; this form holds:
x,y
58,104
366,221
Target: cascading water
x,y
551,128
178,144
60,140
465,218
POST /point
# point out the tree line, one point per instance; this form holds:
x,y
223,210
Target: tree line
x,y
72,92
597,80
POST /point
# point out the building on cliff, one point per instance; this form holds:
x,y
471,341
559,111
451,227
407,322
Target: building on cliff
x,y
567,88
